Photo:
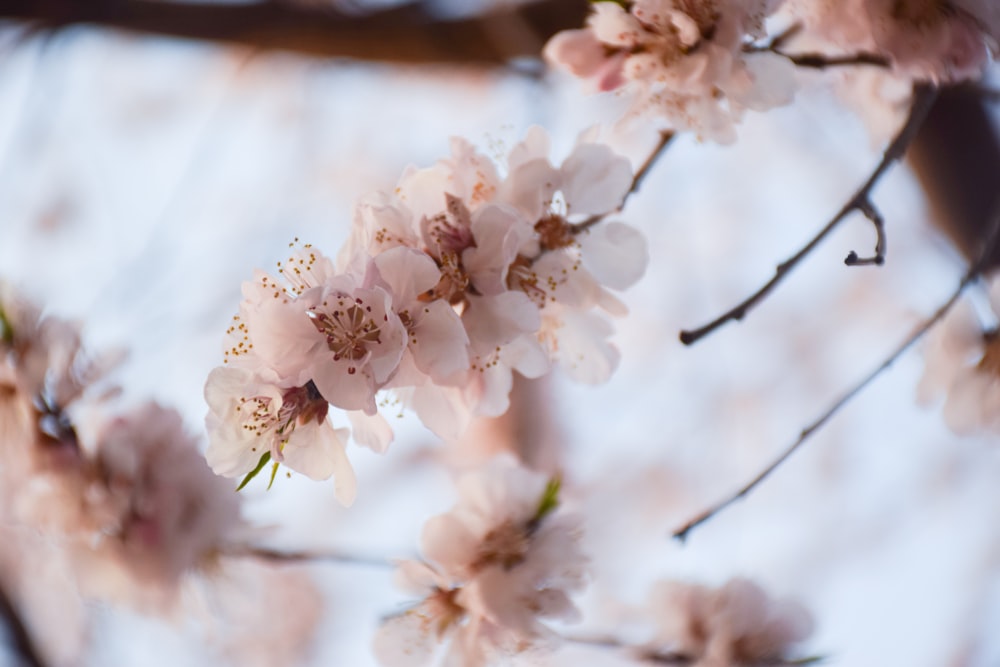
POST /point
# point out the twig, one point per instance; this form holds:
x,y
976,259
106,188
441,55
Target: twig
x,y
666,137
281,556
923,99
878,221
822,61
813,60
970,275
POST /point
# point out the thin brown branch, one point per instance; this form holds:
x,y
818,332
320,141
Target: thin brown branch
x,y
292,557
822,61
973,272
666,137
878,259
408,34
813,60
923,99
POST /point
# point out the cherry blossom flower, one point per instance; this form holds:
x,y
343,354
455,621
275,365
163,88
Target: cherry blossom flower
x,y
962,361
565,270
496,564
680,60
129,497
266,403
467,272
936,40
171,514
253,420
362,341
737,624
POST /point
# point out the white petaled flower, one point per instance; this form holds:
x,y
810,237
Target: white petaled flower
x,y
566,269
681,60
736,624
962,360
496,564
253,419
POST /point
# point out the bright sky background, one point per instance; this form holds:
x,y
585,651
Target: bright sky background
x,y
141,180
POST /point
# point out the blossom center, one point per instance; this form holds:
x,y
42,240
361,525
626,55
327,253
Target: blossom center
x,y
505,546
554,232
299,406
349,329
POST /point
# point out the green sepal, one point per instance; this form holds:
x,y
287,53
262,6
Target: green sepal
x,y
6,330
549,500
253,473
274,472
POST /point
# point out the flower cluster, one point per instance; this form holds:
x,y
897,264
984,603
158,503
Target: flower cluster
x,y
496,564
935,40
682,60
446,286
737,624
129,496
962,360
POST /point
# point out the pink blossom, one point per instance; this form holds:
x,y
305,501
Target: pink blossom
x,y
680,61
736,624
961,361
496,564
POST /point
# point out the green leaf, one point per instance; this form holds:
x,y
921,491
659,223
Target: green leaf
x,y
549,500
274,471
253,473
6,330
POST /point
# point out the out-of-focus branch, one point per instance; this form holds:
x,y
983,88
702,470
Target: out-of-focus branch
x,y
407,34
651,657
290,557
956,156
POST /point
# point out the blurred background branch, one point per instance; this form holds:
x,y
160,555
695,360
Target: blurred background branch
x,y
411,33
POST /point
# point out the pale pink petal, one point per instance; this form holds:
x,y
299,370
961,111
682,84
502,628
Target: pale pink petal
x,y
615,253
497,320
594,179
371,431
499,232
534,146
443,410
577,51
583,348
407,272
448,542
438,341
404,641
